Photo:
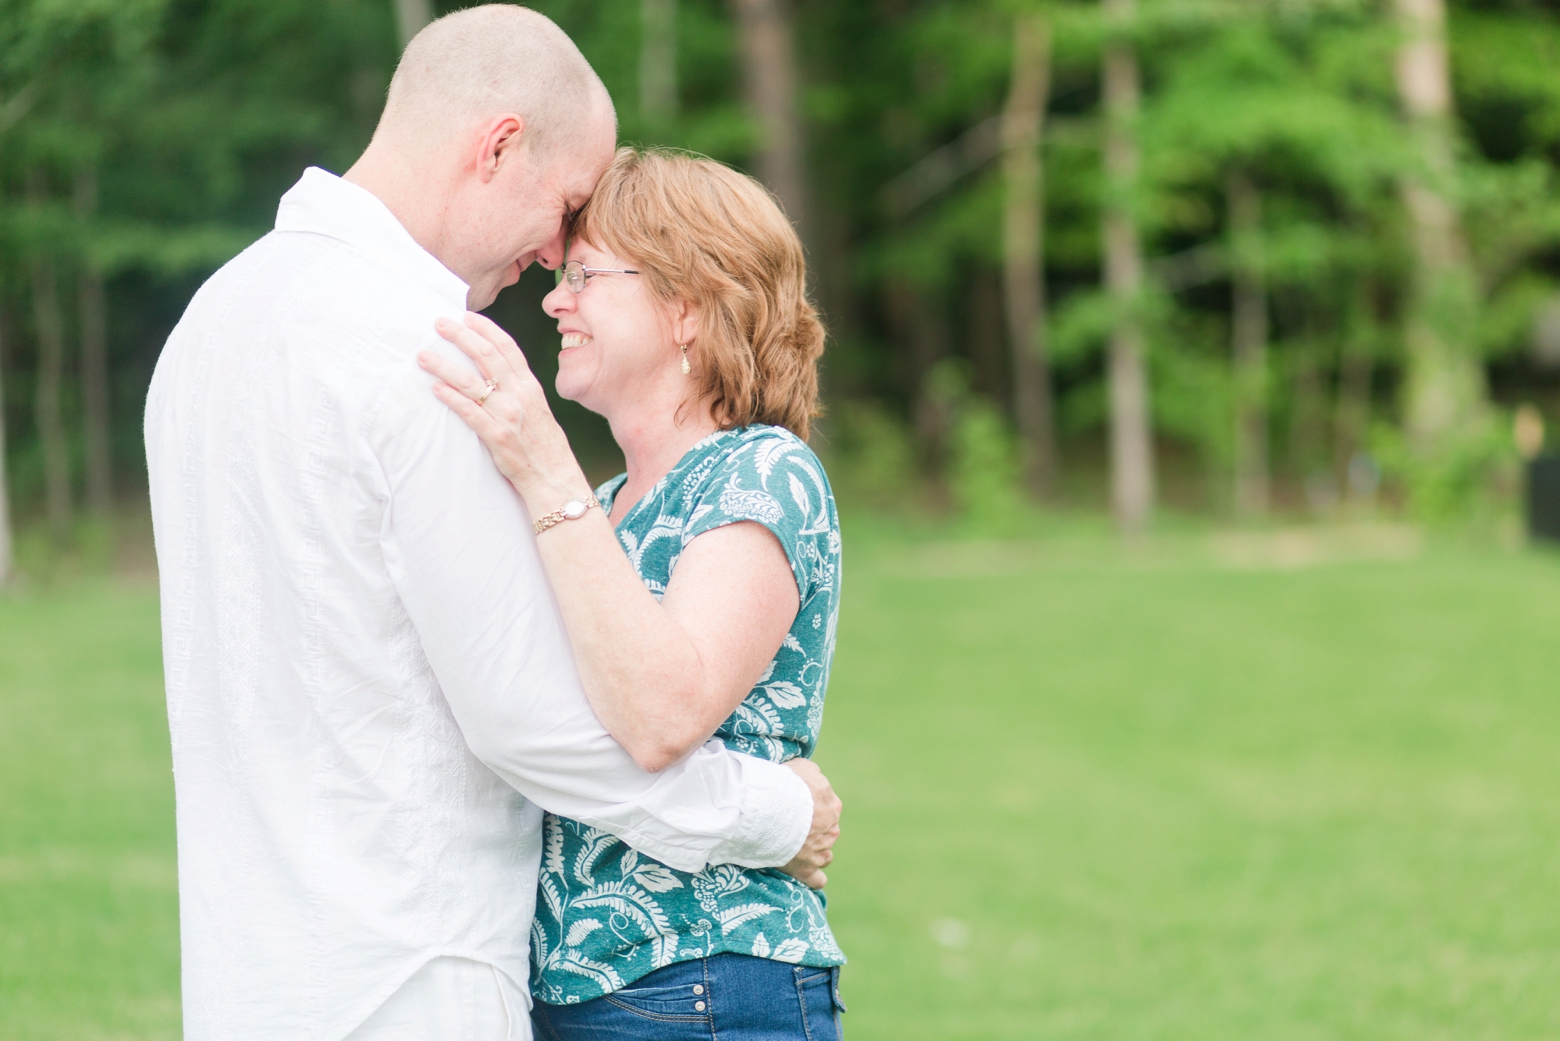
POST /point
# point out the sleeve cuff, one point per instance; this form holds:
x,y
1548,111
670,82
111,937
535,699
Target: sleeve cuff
x,y
777,813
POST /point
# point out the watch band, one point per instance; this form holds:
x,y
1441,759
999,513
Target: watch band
x,y
574,509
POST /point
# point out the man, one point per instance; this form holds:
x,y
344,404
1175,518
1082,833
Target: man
x,y
366,671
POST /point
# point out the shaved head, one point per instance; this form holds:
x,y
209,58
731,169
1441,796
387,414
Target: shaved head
x,y
495,132
498,58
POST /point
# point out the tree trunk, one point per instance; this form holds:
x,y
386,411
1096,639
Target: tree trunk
x,y
769,81
46,403
658,61
94,366
1131,435
6,552
921,326
1249,329
1351,410
1023,241
1445,382
411,16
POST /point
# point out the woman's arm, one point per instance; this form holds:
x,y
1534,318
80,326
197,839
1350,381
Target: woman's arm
x,y
661,676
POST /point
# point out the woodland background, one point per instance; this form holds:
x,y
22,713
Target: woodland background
x,y
1210,269
1226,257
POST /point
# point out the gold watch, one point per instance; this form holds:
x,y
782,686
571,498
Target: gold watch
x,y
574,509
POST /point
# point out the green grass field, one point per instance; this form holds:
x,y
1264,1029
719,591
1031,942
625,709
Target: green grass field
x,y
1089,794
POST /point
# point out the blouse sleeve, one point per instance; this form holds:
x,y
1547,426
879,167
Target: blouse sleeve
x,y
775,480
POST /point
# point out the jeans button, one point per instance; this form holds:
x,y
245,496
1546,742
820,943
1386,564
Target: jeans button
x,y
698,1006
698,988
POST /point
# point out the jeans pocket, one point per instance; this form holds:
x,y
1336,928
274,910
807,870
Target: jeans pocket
x,y
819,997
680,1001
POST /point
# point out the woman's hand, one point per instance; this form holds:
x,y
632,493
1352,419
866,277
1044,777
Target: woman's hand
x,y
513,418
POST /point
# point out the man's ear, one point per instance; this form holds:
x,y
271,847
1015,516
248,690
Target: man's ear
x,y
500,143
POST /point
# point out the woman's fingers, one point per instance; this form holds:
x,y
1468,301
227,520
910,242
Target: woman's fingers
x,y
475,416
502,341
455,375
474,346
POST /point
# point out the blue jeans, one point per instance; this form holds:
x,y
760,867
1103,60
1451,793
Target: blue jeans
x,y
729,997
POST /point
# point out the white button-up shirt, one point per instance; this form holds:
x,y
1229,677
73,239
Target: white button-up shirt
x,y
370,692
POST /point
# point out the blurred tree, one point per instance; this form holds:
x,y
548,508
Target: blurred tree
x,y
1444,385
1023,238
410,17
47,408
958,178
93,321
7,551
1249,337
1131,433
658,61
769,77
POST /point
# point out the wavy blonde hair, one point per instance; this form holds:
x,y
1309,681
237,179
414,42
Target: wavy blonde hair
x,y
701,231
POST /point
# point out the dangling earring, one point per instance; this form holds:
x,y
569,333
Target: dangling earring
x,y
685,366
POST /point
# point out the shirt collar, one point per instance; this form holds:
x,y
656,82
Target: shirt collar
x,y
325,204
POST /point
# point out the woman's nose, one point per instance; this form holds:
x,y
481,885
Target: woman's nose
x,y
559,301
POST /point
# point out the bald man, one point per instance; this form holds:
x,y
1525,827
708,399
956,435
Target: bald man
x,y
370,693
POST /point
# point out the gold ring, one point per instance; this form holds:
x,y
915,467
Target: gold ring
x,y
491,386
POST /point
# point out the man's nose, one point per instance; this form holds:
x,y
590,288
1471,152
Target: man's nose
x,y
550,256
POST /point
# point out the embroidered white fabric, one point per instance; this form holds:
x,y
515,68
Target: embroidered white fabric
x,y
370,692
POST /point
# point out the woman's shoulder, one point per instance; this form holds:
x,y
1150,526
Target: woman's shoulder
x,y
767,450
765,474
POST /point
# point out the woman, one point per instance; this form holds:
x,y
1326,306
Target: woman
x,y
685,322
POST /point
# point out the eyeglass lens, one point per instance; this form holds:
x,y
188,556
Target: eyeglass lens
x,y
574,274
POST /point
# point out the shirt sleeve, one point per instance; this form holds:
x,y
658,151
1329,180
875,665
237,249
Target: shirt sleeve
x,y
774,480
458,544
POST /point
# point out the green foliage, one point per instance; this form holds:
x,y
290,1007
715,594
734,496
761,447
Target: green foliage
x,y
869,455
197,114
985,469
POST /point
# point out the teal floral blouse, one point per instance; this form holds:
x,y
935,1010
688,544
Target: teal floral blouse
x,y
607,915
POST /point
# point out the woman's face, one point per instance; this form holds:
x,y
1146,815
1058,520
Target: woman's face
x,y
617,339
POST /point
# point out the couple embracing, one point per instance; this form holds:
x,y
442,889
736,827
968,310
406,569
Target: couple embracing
x,y
464,748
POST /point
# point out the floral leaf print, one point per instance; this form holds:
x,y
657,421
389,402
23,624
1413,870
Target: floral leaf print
x,y
604,976
769,453
579,930
552,859
785,694
791,643
540,948
713,883
799,495
733,917
760,946
656,878
627,864
791,950
737,502
550,898
597,842
757,717
633,903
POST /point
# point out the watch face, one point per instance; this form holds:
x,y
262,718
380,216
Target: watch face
x,y
573,509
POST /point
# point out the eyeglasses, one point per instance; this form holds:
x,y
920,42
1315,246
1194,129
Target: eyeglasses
x,y
575,274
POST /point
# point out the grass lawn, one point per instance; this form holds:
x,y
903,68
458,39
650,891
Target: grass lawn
x,y
1090,794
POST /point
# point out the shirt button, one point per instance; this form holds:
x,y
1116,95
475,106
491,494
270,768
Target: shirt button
x,y
698,1006
698,988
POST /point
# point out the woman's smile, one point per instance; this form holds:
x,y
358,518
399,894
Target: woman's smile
x,y
575,340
